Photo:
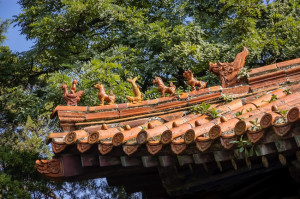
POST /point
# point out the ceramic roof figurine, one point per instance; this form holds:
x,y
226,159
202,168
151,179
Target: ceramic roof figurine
x,y
138,96
73,97
162,88
197,129
228,72
192,81
103,96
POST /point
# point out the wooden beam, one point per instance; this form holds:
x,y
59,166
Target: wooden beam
x,y
201,158
184,159
150,161
166,161
284,145
265,149
109,161
72,165
127,161
88,160
223,155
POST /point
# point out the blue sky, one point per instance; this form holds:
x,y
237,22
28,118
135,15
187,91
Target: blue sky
x,y
16,42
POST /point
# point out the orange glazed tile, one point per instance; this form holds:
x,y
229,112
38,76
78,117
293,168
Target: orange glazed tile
x,y
235,104
122,106
288,63
171,116
294,88
70,114
204,98
105,107
68,108
102,115
153,101
134,123
135,111
165,99
184,95
215,88
171,105
199,92
267,79
143,103
236,90
262,69
71,119
293,74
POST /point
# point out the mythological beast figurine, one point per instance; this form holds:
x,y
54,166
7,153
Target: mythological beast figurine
x,y
192,81
138,96
103,96
163,88
228,72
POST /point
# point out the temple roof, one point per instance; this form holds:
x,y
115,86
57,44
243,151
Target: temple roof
x,y
168,130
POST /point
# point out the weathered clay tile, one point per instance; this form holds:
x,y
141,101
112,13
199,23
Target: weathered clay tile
x,y
130,149
293,114
69,108
168,105
266,80
236,90
122,106
146,134
293,74
199,92
203,143
293,62
142,103
217,130
154,147
104,107
255,136
215,88
55,135
259,70
70,119
73,136
282,129
102,115
135,111
98,135
227,140
105,147
178,146
58,147
172,116
204,98
132,133
83,146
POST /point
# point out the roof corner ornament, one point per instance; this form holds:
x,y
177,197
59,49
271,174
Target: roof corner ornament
x,y
192,81
138,96
73,97
50,168
162,88
228,72
103,96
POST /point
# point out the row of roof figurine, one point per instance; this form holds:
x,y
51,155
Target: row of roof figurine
x,y
73,97
227,73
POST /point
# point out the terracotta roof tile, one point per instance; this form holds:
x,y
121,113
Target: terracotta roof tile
x,y
144,128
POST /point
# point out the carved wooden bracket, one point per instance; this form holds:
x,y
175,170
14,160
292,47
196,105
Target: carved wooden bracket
x,y
228,72
138,96
103,96
162,88
73,97
192,81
